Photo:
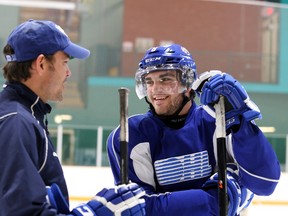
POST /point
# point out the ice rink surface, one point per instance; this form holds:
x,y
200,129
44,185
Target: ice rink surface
x,y
84,182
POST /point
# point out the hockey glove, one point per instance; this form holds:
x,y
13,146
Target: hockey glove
x,y
123,200
239,197
211,84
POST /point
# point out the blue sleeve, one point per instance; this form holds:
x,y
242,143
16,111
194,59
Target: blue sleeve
x,y
259,167
22,190
195,202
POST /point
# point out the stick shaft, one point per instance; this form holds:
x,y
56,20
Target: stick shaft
x,y
123,96
221,155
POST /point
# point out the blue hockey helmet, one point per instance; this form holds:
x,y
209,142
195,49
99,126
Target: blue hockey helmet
x,y
169,57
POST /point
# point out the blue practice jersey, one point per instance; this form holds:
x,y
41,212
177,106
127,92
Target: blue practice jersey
x,y
28,162
173,164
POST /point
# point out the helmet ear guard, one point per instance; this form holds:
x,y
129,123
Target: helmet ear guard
x,y
170,57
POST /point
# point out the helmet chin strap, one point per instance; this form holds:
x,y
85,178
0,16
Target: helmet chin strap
x,y
175,116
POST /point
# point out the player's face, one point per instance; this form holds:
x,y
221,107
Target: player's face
x,y
163,89
57,74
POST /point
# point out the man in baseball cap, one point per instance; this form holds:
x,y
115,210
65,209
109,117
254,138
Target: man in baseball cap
x,y
35,37
31,176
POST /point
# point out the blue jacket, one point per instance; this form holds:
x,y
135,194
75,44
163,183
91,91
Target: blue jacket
x,y
28,162
173,164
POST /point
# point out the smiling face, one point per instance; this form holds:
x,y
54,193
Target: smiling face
x,y
163,89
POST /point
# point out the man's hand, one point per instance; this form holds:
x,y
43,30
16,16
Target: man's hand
x,y
211,84
239,197
122,200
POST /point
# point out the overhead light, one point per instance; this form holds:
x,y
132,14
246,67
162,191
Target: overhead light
x,y
60,5
268,129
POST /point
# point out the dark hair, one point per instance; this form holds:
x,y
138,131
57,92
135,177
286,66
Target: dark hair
x,y
15,71
18,71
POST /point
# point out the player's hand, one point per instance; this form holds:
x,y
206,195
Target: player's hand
x,y
123,200
211,84
239,197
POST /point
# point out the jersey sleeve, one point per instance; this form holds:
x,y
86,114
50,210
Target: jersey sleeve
x,y
259,167
187,202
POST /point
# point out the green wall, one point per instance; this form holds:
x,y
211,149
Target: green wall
x,y
103,105
103,110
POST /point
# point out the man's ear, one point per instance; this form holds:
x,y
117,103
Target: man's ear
x,y
40,62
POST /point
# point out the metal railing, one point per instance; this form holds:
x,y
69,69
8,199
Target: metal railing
x,y
86,145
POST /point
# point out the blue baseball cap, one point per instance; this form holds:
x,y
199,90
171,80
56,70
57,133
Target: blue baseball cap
x,y
35,37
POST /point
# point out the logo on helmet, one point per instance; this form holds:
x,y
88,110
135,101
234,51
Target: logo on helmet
x,y
152,59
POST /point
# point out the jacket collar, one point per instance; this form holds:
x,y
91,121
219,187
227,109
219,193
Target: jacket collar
x,y
29,98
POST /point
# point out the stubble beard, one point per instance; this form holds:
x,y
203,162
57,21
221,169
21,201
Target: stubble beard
x,y
171,108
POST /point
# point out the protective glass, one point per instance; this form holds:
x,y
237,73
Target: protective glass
x,y
165,83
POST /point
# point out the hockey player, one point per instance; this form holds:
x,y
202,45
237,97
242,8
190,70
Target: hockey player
x,y
172,147
31,176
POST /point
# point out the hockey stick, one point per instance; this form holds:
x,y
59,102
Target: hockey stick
x,y
221,155
123,94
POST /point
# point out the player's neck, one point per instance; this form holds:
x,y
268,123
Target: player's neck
x,y
186,108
